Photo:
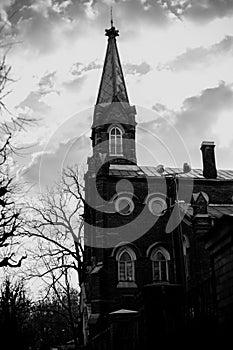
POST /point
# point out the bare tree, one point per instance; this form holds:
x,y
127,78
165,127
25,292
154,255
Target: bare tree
x,y
11,216
57,228
57,224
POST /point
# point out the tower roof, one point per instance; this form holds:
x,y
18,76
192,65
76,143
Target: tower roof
x,y
112,86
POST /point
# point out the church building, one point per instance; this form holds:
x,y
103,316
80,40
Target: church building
x,y
148,270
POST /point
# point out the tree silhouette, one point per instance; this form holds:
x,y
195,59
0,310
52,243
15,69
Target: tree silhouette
x,y
11,217
14,315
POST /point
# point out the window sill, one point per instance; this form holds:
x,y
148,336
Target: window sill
x,y
161,282
116,155
126,284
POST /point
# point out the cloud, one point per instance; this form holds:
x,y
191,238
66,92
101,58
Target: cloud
x,y
47,81
62,39
203,117
42,23
33,101
199,113
46,166
200,11
79,68
38,23
204,11
137,69
74,85
200,56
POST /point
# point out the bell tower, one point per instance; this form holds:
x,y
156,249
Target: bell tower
x,y
113,128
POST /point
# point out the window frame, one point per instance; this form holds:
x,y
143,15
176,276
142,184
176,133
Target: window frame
x,y
159,263
132,256
115,143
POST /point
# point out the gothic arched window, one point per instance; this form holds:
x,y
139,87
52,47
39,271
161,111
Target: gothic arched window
x,y
126,271
160,264
115,141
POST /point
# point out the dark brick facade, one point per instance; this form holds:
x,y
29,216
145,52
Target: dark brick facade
x,y
107,296
166,304
219,242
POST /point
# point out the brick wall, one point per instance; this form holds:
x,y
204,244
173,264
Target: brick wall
x,y
105,288
220,245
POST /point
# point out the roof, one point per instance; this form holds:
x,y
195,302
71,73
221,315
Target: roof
x,y
218,210
214,210
151,171
112,86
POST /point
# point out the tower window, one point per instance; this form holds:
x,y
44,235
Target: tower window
x,y
160,268
115,142
126,260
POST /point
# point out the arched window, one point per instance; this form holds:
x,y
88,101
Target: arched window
x,y
115,141
126,258
160,264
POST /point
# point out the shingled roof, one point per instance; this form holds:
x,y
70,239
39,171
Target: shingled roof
x,y
149,171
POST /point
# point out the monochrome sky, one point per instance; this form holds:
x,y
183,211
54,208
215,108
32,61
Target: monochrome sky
x,y
177,58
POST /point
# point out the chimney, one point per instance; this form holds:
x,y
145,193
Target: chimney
x,y
208,157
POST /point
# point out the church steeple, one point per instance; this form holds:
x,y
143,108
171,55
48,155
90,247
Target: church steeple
x,y
112,86
113,128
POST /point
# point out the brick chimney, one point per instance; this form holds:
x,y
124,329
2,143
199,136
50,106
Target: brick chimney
x,y
208,158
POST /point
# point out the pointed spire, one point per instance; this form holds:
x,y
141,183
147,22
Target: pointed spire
x,y
112,86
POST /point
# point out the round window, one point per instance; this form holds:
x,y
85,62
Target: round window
x,y
157,206
124,205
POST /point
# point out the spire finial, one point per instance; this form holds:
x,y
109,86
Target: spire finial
x,y
111,17
112,32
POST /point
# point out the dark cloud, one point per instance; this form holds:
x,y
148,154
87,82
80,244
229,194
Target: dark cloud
x,y
139,69
33,22
201,11
137,12
37,31
199,113
193,123
200,56
207,10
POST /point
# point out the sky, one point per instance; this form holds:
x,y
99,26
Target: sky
x,y
177,59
